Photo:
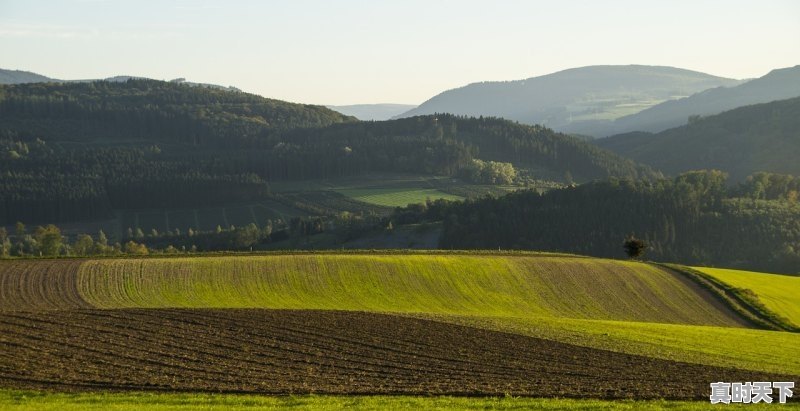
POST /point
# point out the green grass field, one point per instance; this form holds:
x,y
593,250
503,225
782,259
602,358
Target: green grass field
x,y
526,286
709,345
779,293
29,401
396,197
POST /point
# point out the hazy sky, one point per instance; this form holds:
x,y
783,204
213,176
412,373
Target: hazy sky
x,y
345,52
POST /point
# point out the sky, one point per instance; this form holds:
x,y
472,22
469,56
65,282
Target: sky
x,y
384,51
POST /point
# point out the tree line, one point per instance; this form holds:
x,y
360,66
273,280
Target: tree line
x,y
695,218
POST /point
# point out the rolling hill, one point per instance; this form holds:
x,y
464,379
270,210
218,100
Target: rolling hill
x,y
19,77
575,100
761,137
133,109
442,284
779,84
310,323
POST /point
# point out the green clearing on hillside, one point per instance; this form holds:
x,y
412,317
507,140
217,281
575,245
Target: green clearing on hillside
x,y
779,293
29,400
396,197
524,286
391,189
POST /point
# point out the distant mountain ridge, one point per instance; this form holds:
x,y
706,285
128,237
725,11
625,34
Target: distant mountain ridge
x,y
376,112
573,100
23,77
778,84
19,77
761,137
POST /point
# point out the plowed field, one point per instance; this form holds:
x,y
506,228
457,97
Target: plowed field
x,y
332,352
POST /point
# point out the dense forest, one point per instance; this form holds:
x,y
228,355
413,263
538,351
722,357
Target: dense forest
x,y
762,137
695,219
152,110
81,150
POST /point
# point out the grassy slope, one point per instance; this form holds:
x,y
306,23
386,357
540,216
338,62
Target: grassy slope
x,y
26,401
710,345
570,287
779,293
589,302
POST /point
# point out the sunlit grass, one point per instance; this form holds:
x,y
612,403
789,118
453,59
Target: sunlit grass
x,y
396,197
779,293
568,287
716,346
29,400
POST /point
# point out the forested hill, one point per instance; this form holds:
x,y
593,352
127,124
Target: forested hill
x,y
779,84
693,219
443,143
19,76
762,137
81,150
151,110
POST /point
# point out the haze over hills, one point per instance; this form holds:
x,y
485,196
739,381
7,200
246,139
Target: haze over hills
x,y
762,137
22,77
778,84
573,100
19,77
376,112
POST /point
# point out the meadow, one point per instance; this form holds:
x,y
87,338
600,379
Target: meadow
x,y
779,293
393,197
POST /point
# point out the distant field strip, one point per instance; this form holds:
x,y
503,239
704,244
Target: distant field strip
x,y
396,197
779,293
527,286
285,351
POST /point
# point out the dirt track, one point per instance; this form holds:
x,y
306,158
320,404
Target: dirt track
x,y
279,352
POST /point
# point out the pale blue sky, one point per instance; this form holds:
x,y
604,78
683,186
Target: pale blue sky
x,y
346,52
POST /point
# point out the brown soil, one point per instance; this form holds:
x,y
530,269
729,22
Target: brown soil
x,y
330,352
40,285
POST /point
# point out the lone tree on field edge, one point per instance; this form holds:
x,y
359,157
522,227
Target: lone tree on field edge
x,y
635,247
